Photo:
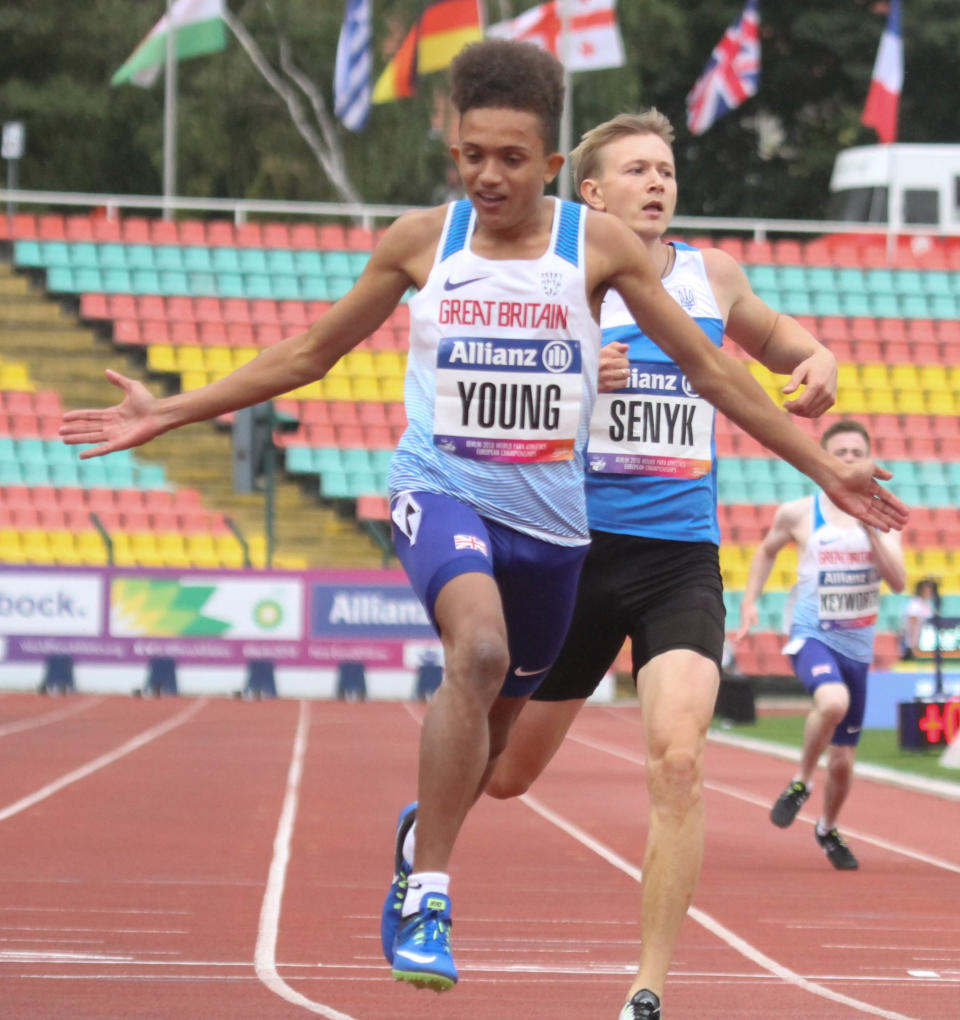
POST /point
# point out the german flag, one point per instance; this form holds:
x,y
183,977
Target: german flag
x,y
436,38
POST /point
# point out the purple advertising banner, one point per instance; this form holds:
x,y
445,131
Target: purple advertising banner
x,y
308,618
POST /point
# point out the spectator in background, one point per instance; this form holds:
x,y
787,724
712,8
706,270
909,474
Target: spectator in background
x,y
915,614
842,563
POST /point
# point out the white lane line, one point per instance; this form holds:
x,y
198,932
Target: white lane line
x,y
47,717
265,953
749,798
733,940
109,758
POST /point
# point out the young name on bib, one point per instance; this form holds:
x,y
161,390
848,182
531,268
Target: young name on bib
x,y
655,425
512,401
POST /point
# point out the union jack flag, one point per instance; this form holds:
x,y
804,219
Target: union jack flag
x,y
732,73
470,542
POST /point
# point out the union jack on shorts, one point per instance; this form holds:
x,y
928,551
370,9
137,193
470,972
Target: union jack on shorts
x,y
470,542
732,74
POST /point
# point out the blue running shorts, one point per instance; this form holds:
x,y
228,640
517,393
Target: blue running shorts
x,y
816,664
438,538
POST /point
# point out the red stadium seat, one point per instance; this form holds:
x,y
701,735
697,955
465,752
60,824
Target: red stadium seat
x,y
359,239
303,235
371,412
180,309
157,500
866,350
213,334
921,331
186,499
94,306
240,334
51,227
897,352
276,235
263,310
894,330
151,306
235,310
164,520
106,230
292,314
757,251
207,309
78,228
331,237
788,252
164,232
733,246
184,334
192,232
135,230
127,331
343,412
155,331
832,328
863,328
378,437
250,235
321,434
373,508
221,233
268,334
315,412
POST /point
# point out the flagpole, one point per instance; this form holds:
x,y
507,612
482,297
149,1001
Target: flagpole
x,y
170,117
566,118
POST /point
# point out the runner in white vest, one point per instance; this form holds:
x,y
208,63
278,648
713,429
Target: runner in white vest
x,y
842,563
480,577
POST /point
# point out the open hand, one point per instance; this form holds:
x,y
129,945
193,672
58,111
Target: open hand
x,y
858,493
132,422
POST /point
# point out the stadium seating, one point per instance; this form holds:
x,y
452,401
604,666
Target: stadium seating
x,y
200,298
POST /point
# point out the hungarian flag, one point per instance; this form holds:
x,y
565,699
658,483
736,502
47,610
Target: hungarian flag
x,y
593,35
436,38
732,74
883,99
198,28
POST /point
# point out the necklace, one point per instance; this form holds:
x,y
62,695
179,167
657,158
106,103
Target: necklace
x,y
671,258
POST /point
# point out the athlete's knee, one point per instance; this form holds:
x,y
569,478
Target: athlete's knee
x,y
507,782
675,778
479,658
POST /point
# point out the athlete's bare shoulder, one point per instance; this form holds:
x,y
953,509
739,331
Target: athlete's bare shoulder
x,y
611,248
410,242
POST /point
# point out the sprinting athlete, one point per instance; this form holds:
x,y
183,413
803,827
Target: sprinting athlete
x,y
652,573
486,486
842,563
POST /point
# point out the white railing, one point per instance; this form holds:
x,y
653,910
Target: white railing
x,y
241,208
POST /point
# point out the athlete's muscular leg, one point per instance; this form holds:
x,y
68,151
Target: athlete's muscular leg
x,y
830,704
839,780
535,738
677,691
455,740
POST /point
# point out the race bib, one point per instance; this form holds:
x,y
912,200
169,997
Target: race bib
x,y
655,425
509,401
847,599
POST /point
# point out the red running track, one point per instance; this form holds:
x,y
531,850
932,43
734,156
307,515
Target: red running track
x,y
184,858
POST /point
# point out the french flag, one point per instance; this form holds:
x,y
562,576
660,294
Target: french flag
x,y
883,99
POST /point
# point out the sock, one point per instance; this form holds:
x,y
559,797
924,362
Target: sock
x,y
420,884
822,829
410,843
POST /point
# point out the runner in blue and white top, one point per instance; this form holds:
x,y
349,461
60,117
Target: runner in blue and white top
x,y
652,573
841,564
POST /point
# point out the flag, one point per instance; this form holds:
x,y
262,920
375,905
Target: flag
x,y
351,75
593,39
438,35
732,73
199,28
883,99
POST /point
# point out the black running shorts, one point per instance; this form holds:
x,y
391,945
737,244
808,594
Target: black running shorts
x,y
660,594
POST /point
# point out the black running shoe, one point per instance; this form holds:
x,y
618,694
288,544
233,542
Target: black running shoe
x,y
643,1006
789,803
838,853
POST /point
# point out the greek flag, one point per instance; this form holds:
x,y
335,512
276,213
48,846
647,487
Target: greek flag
x,y
351,76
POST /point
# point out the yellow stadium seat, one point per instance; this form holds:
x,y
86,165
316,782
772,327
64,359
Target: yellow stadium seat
x,y
36,547
10,549
365,389
15,375
850,401
337,388
933,377
874,375
201,551
903,375
879,400
160,358
391,391
911,401
218,359
190,359
90,549
359,363
941,402
241,355
391,363
848,375
193,380
229,551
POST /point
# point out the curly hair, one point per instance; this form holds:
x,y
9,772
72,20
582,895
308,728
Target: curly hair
x,y
587,156
511,75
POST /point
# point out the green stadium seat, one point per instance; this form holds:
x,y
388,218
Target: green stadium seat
x,y
327,458
909,281
173,282
112,256
257,285
827,303
168,256
308,263
87,279
10,472
56,253
362,483
141,256
796,302
850,280
150,476
285,288
225,260
334,485
201,284
856,306
380,460
337,263
56,452
145,281
117,281
943,306
60,280
355,459
821,278
120,476
35,472
358,262
28,253
299,459
914,306
338,286
197,259
280,262
936,281
64,474
253,260
880,281
885,306
787,491
230,285
769,296
314,288
784,277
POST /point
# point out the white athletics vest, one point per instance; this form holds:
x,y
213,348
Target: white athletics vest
x,y
501,380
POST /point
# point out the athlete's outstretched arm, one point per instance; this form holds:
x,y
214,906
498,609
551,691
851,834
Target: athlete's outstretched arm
x,y
617,259
396,264
776,340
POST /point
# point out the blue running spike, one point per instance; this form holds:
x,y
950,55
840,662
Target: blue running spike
x,y
393,904
421,953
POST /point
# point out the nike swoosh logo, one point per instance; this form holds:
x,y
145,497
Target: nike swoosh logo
x,y
416,957
448,285
853,729
528,672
